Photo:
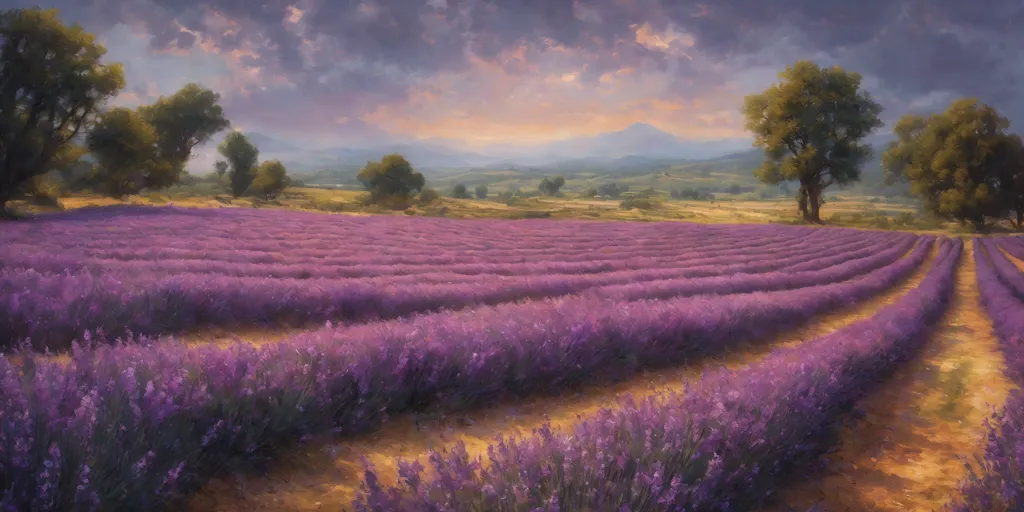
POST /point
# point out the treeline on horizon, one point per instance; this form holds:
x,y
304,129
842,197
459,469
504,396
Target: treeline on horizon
x,y
56,133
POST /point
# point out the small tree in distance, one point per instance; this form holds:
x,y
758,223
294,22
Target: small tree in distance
x,y
460,191
551,186
481,191
810,126
271,179
241,156
391,179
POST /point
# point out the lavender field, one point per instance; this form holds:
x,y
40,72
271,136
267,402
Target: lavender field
x,y
784,335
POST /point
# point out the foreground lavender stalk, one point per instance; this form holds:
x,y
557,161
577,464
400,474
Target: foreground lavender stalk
x,y
724,444
997,483
161,416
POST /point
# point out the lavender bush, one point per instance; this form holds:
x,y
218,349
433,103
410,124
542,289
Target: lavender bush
x,y
724,444
136,425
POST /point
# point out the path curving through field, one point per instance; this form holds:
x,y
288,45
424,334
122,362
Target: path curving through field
x,y
901,454
325,474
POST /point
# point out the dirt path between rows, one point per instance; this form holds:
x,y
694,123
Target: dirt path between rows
x,y
901,455
326,473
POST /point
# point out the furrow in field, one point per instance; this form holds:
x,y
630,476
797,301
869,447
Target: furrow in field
x,y
996,483
327,472
901,452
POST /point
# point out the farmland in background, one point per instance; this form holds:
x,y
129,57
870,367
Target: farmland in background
x,y
252,359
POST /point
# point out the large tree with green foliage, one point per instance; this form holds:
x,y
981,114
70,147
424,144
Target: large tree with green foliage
x,y
52,82
242,156
393,178
271,179
956,162
811,126
124,146
184,120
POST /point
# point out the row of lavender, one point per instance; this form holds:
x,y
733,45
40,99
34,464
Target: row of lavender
x,y
59,297
347,258
997,484
50,309
260,234
322,267
726,443
136,425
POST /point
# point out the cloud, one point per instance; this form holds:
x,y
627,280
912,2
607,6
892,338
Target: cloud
x,y
486,70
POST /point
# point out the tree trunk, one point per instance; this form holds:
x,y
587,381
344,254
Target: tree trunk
x,y
1020,217
814,196
801,202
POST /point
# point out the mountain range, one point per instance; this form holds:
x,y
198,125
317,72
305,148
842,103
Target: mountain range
x,y
638,140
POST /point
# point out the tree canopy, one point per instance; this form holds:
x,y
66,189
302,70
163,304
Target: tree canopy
x,y
393,178
962,164
460,191
481,191
52,82
271,178
242,157
551,186
811,126
184,120
124,146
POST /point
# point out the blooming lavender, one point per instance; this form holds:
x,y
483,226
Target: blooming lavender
x,y
152,420
57,289
725,443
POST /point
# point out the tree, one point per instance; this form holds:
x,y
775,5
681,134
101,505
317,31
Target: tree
x,y
184,120
612,190
52,82
460,191
124,146
481,191
393,178
956,162
221,168
428,195
811,126
241,156
551,186
271,179
1012,184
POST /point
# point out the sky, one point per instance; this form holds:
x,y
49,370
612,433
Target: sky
x,y
474,73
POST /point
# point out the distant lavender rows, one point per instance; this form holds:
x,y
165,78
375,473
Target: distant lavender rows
x,y
998,483
53,310
252,231
736,252
726,443
177,244
346,260
129,426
